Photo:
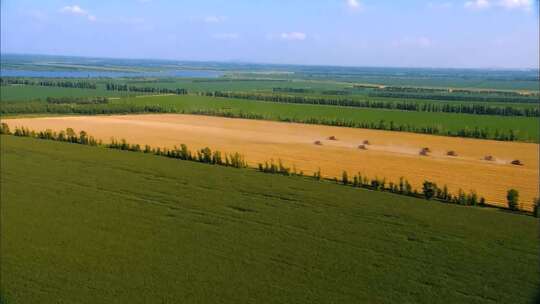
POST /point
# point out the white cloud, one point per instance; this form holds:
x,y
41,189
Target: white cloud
x,y
507,4
354,4
293,36
226,36
214,19
510,4
77,10
478,4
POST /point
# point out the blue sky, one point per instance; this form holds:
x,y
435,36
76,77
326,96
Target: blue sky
x,y
411,33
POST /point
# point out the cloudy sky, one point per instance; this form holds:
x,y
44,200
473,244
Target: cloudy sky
x,y
412,33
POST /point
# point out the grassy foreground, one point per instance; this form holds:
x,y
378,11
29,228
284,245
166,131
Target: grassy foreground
x,y
89,225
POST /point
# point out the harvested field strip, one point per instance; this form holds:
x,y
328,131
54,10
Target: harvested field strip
x,y
389,155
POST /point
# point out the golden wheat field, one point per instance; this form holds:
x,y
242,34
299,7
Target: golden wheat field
x,y
389,155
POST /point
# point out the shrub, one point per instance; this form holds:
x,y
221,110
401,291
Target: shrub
x,y
345,178
512,197
317,174
429,189
4,129
536,207
472,199
482,201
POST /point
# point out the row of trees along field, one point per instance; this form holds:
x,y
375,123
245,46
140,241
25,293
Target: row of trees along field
x,y
126,88
478,109
48,83
485,92
457,97
453,90
310,91
205,155
77,100
430,190
127,108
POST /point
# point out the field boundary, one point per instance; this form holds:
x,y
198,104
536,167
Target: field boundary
x,y
430,190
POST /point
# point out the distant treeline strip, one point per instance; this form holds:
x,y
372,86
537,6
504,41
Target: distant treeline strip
x,y
126,88
77,100
48,83
130,108
310,91
478,109
443,90
429,191
456,97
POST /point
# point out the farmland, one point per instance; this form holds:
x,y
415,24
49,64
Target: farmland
x,y
523,128
390,154
344,151
27,93
129,227
524,80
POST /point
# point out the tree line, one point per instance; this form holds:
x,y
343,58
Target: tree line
x,y
126,88
477,109
429,191
205,155
49,83
501,135
456,97
77,100
402,89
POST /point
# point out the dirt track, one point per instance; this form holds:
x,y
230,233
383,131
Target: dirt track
x,y
389,155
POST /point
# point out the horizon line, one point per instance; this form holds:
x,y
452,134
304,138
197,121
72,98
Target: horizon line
x,y
272,63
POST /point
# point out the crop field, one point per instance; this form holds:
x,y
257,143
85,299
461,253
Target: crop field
x,y
134,228
235,84
523,128
389,155
27,93
526,128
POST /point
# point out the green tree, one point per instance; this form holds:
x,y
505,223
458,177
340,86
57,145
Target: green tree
x,y
429,189
345,178
317,174
512,197
5,129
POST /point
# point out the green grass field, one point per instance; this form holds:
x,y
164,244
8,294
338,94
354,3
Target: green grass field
x,y
26,93
315,89
31,92
89,225
526,128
